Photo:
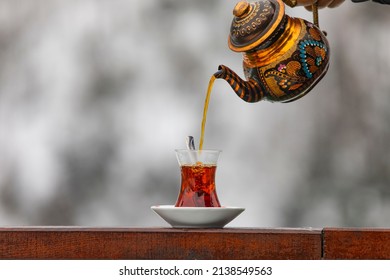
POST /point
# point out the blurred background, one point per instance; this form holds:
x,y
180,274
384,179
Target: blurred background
x,y
96,95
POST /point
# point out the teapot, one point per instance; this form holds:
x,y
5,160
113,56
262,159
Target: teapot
x,y
283,57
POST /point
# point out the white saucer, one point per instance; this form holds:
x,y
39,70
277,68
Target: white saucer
x,y
197,217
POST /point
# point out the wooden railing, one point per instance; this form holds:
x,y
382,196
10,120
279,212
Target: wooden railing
x,y
167,243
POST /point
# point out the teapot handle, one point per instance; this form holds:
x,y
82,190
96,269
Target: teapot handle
x,y
314,7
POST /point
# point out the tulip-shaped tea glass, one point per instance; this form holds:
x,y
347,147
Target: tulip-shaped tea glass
x,y
198,169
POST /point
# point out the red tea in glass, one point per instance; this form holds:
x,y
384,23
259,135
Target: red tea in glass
x,y
198,186
198,170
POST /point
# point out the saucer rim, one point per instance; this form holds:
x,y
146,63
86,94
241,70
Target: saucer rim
x,y
167,206
169,214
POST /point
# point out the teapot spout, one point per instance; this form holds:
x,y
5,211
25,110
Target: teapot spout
x,y
249,91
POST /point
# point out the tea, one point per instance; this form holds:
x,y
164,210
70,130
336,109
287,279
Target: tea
x,y
197,177
206,106
198,186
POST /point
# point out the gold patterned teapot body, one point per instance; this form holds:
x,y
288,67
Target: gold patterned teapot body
x,y
283,57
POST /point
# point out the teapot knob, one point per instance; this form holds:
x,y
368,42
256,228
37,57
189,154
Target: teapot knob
x,y
241,9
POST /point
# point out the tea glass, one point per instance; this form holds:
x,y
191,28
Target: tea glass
x,y
198,169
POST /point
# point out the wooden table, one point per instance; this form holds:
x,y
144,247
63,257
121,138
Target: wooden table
x,y
168,243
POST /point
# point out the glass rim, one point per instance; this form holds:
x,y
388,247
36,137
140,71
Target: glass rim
x,y
203,150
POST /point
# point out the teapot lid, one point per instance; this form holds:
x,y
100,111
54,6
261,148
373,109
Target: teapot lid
x,y
253,23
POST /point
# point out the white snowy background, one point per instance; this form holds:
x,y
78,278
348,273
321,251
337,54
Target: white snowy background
x,y
96,95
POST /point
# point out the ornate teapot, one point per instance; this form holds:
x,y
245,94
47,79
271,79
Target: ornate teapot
x,y
283,57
